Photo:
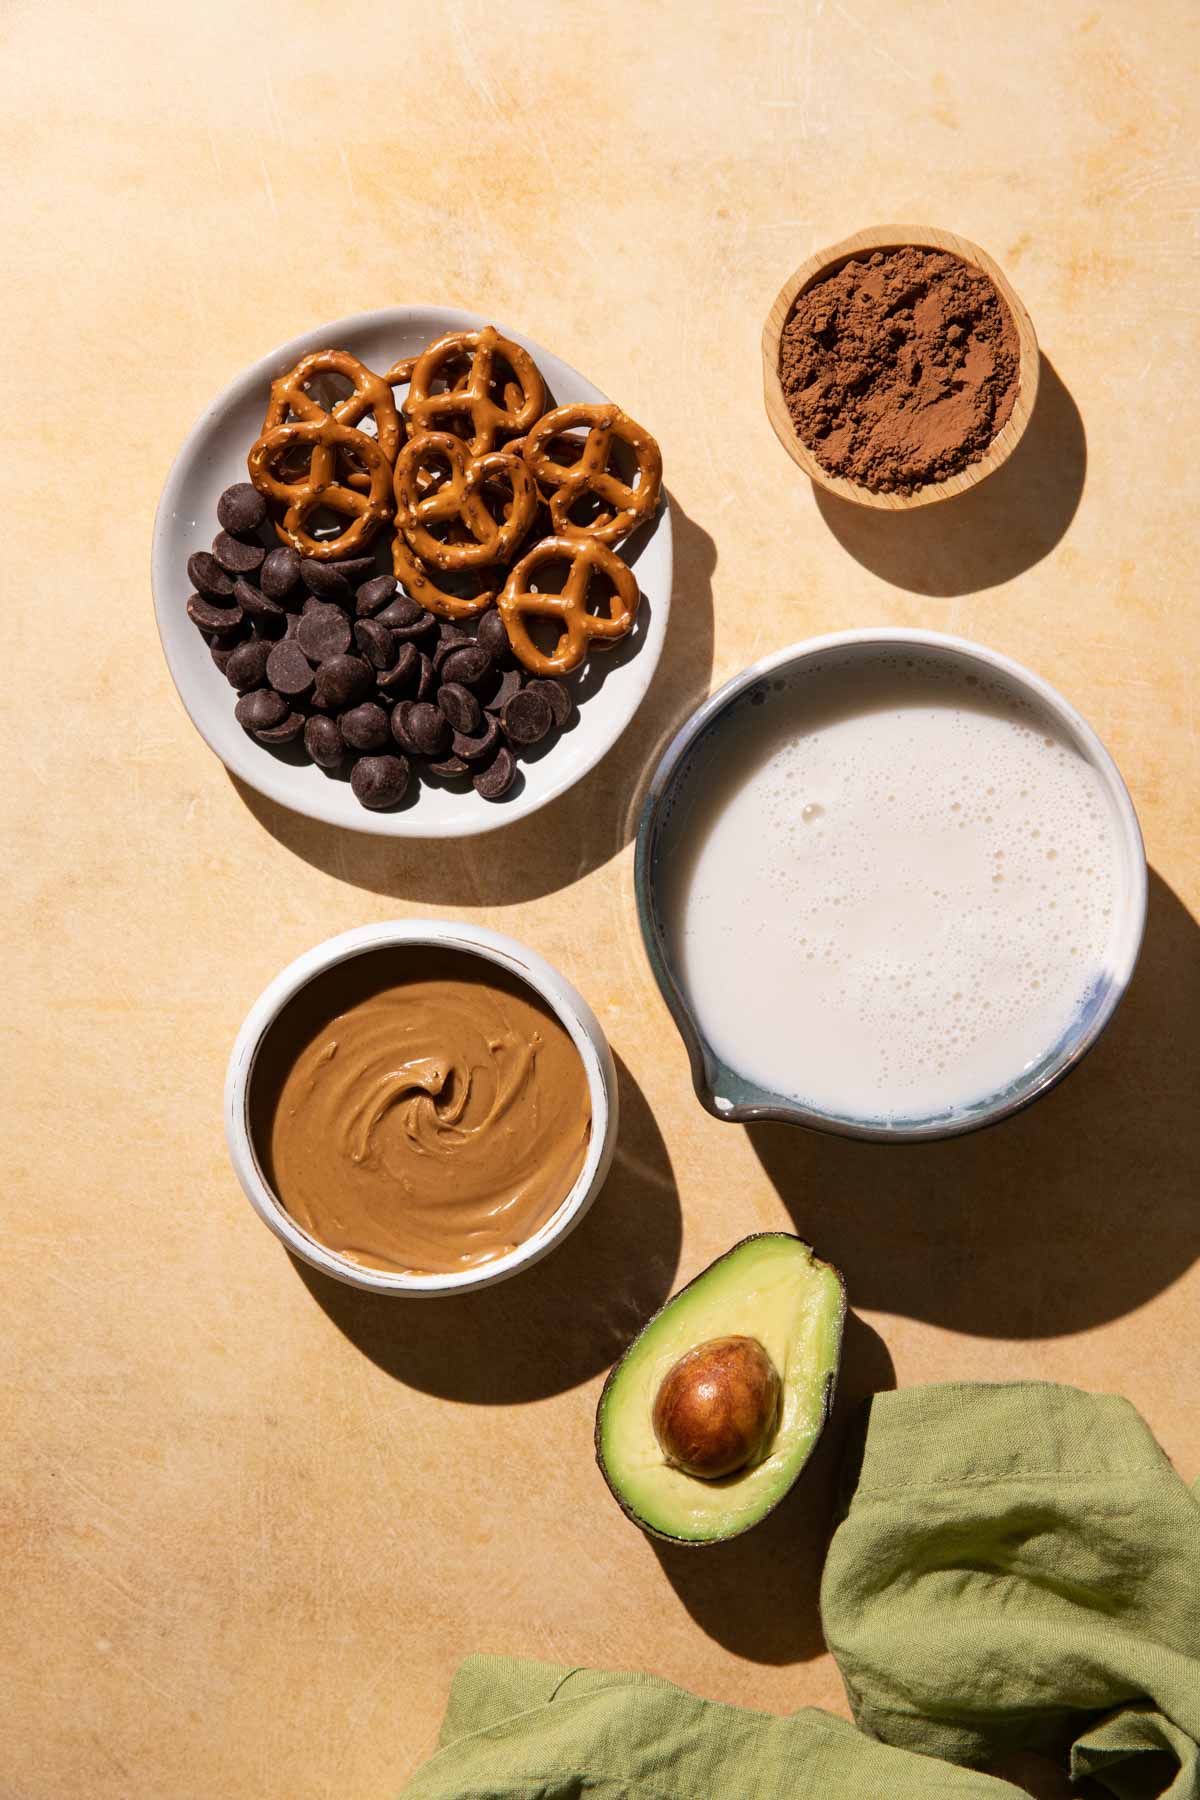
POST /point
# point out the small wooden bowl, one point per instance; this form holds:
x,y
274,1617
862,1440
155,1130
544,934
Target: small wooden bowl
x,y
827,262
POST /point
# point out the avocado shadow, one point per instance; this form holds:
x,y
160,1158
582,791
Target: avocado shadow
x,y
758,1594
994,531
1063,1217
553,1326
570,837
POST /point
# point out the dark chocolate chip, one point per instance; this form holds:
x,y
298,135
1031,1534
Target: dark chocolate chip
x,y
399,727
221,655
449,768
355,568
237,558
241,508
324,631
342,681
376,643
280,572
325,581
403,673
403,611
527,717
428,729
323,741
379,781
494,782
450,639
510,684
208,617
408,629
247,665
469,665
427,681
290,728
254,604
206,574
373,595
491,634
460,707
261,710
478,749
560,700
365,727
288,669
450,636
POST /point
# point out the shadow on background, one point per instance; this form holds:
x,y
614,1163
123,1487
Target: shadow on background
x,y
1063,1217
566,840
993,532
557,1324
757,1595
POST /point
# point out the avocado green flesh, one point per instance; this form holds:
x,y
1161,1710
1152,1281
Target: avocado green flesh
x,y
770,1288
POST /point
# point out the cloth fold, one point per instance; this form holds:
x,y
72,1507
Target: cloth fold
x,y
1016,1567
536,1731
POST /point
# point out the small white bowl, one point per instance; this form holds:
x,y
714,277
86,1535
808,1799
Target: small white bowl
x,y
213,456
472,940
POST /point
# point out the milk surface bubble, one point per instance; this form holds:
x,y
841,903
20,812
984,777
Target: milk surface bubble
x,y
893,887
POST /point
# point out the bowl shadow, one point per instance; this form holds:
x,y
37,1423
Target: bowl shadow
x,y
556,1324
994,531
1063,1217
573,835
757,1595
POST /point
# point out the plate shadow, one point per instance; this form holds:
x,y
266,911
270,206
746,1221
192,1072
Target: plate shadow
x,y
1067,1215
989,534
552,1326
581,830
757,1595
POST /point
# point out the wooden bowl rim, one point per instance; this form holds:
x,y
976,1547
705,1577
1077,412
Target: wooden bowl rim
x,y
827,262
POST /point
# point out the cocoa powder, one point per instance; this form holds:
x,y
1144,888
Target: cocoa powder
x,y
900,368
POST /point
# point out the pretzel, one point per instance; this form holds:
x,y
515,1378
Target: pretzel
x,y
318,486
460,497
472,398
587,556
372,394
424,589
590,474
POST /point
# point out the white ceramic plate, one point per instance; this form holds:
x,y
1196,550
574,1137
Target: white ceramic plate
x,y
214,456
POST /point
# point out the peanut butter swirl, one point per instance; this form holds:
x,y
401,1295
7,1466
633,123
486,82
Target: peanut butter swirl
x,y
420,1111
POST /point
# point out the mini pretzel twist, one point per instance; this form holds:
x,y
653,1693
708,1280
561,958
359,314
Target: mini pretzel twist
x,y
301,494
460,497
473,397
580,628
568,483
372,394
421,587
401,372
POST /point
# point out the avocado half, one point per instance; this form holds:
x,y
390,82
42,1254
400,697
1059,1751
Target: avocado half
x,y
770,1287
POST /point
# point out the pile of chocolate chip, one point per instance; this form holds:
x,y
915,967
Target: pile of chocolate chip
x,y
333,657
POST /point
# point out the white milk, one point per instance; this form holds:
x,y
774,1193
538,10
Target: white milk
x,y
892,889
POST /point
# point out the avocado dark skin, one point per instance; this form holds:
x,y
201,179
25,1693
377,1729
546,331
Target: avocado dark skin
x,y
716,1409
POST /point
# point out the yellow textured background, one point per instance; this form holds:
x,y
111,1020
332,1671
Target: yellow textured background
x,y
249,1524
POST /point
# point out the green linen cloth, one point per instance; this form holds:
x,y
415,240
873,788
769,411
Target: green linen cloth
x,y
1017,1567
532,1731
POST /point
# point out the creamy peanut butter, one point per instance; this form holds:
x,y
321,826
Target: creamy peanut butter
x,y
419,1110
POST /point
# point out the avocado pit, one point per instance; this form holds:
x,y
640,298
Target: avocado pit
x,y
717,1407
